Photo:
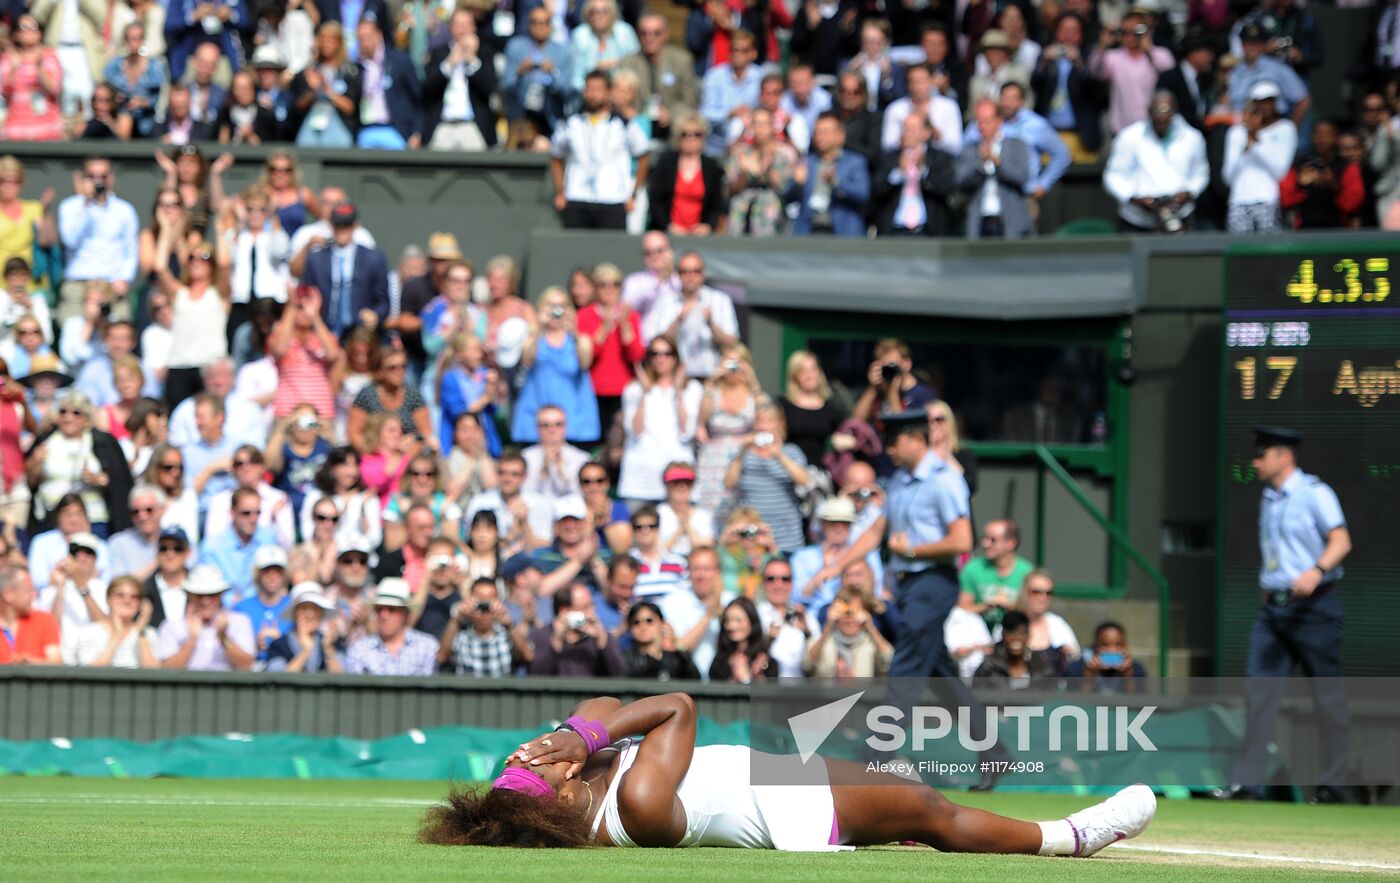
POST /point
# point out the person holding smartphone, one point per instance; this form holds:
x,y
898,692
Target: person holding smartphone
x,y
1108,667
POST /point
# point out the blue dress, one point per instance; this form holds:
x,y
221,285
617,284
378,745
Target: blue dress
x,y
556,378
459,390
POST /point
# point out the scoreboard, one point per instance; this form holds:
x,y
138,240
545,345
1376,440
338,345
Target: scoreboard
x,y
1312,343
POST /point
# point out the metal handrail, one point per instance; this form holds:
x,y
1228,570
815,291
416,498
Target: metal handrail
x,y
1121,539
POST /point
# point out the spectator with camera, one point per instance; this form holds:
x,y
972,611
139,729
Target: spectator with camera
x,y
1156,170
769,474
76,594
538,72
923,100
312,644
1322,190
442,588
99,231
1259,152
557,384
1066,94
1108,667
479,639
392,647
1130,69
207,637
891,385
849,646
575,644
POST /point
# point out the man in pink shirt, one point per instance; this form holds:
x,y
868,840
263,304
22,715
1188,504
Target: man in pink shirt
x,y
1130,70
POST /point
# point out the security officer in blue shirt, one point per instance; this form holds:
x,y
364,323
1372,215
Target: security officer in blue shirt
x,y
1303,540
929,527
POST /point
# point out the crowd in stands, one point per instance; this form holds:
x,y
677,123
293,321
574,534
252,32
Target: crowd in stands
x,y
839,117
234,444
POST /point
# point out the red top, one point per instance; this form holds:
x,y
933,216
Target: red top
x,y
33,635
304,375
688,200
612,363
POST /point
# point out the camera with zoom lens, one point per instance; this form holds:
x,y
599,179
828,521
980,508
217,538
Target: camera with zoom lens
x,y
1169,217
440,562
556,312
575,620
748,531
889,371
482,607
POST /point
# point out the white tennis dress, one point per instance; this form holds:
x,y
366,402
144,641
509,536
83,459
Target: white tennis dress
x,y
722,808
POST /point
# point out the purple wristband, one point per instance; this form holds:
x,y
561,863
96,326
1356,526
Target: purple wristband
x,y
595,736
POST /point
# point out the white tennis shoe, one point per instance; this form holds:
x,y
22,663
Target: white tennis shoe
x,y
1121,817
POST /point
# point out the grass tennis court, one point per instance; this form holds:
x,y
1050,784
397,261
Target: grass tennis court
x,y
180,829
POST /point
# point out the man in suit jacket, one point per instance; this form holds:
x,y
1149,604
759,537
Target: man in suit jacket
x,y
1190,82
536,78
353,280
391,97
994,172
347,13
1078,110
666,74
227,24
832,186
913,184
457,94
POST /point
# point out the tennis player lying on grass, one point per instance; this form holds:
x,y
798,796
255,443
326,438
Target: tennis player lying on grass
x,y
590,784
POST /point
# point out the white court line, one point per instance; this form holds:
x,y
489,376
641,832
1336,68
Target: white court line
x,y
365,803
1257,856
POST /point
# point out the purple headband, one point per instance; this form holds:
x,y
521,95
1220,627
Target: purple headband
x,y
527,782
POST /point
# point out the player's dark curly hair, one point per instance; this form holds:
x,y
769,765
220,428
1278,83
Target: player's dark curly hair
x,y
503,818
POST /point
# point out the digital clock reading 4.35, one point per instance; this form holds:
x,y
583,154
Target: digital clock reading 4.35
x,y
1312,342
1363,280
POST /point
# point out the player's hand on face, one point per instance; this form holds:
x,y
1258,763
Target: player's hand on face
x,y
560,746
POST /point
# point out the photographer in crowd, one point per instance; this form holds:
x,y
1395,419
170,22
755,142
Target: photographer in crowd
x,y
1156,170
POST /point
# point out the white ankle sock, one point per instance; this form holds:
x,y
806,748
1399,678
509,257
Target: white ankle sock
x,y
1057,838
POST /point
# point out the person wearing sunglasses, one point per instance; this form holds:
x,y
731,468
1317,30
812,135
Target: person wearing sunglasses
x,y
616,331
661,409
1049,632
557,402
250,471
686,189
134,550
125,639
537,79
234,548
659,572
652,654
73,457
201,306
422,484
76,594
165,587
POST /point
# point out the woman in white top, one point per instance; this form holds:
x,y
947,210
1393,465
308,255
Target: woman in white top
x,y
660,409
124,640
198,326
1049,631
586,784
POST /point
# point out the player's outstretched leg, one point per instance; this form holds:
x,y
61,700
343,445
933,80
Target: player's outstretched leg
x,y
898,811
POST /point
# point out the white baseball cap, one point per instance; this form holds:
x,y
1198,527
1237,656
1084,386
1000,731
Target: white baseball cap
x,y
510,341
571,506
309,593
269,556
1264,89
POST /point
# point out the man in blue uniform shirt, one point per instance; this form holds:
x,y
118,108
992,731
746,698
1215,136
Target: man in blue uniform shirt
x,y
1303,540
929,527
